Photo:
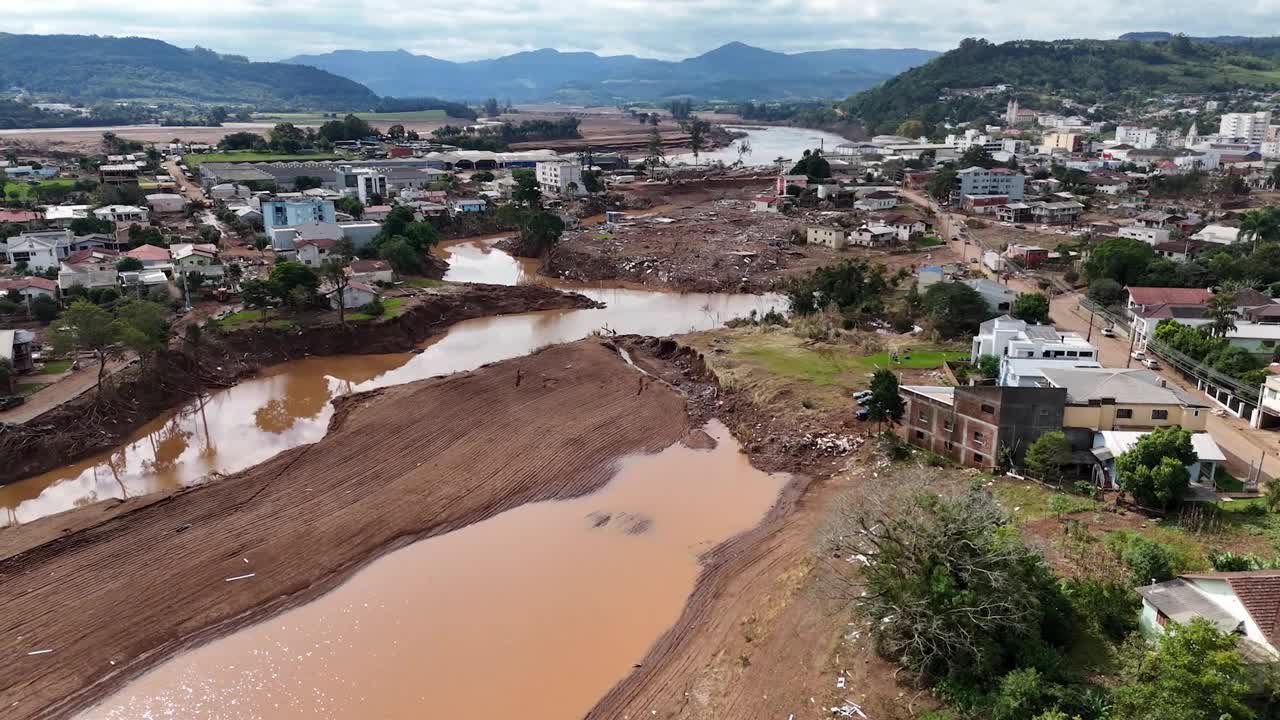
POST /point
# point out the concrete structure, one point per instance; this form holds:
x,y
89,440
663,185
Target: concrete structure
x,y
162,203
291,212
873,236
88,269
1269,416
1103,399
364,183
877,200
999,297
230,191
1029,256
1063,212
152,257
16,347
1148,235
996,181
1025,350
834,238
122,174
1062,142
355,295
975,425
769,204
560,177
122,213
1245,604
1139,137
62,215
467,205
1249,127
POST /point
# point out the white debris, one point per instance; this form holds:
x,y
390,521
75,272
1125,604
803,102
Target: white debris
x,y
239,577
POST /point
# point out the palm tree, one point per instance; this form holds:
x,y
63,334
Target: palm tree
x,y
1222,314
1261,224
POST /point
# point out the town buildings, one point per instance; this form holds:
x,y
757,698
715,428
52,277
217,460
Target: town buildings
x,y
1245,604
996,181
560,177
1249,127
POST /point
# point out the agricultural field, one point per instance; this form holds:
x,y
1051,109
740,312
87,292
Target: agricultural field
x,y
194,161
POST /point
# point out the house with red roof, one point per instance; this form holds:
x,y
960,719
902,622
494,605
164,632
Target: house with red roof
x,y
314,252
29,287
19,217
1243,604
93,268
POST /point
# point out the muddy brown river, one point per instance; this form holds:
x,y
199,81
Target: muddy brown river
x,y
534,613
288,405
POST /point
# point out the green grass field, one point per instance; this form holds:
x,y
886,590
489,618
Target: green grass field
x,y
781,355
25,191
392,308
249,318
56,367
194,161
28,389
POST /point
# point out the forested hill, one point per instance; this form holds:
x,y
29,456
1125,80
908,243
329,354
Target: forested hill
x,y
1087,70
90,68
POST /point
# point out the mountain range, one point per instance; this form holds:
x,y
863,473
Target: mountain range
x,y
92,68
731,72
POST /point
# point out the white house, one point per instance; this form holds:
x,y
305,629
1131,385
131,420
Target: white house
x,y
873,236
229,191
62,215
1245,604
164,203
466,205
557,177
314,253
766,203
877,200
356,294
40,251
122,213
1148,235
1025,350
196,257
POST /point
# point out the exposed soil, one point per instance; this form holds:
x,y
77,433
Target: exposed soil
x,y
82,427
710,242
118,588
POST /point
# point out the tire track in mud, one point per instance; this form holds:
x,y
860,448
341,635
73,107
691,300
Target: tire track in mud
x,y
113,590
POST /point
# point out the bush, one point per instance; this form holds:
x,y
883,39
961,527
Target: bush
x,y
374,308
44,308
1110,606
1149,561
8,307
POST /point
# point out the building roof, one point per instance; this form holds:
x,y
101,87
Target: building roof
x,y
1248,297
1221,234
944,394
1180,246
1157,216
18,216
1259,593
984,285
324,243
1119,442
182,250
1169,296
378,209
89,255
22,283
1167,310
319,231
1124,386
1182,602
149,252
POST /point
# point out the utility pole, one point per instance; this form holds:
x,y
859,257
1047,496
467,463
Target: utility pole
x,y
1089,337
1133,337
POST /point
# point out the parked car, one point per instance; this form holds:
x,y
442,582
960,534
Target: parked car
x,y
861,415
862,396
1138,355
1151,364
1109,331
11,401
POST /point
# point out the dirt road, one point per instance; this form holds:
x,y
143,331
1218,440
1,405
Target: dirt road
x,y
66,389
118,588
190,190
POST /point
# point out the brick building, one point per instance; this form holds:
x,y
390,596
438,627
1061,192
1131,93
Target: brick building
x,y
975,425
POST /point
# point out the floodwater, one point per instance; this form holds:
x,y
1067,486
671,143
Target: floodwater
x,y
288,405
534,613
768,144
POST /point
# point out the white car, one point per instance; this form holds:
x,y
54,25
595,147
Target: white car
x,y
1151,364
1138,355
1109,331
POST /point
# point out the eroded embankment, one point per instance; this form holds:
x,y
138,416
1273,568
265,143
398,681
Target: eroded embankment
x,y
115,589
82,427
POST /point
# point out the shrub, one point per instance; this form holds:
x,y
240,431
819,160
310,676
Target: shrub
x,y
374,308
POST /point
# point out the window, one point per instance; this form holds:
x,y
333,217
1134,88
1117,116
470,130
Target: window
x,y
1124,414
948,424
978,458
988,409
979,438
949,446
919,434
1159,414
924,416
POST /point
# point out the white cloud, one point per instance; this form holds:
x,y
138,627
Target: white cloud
x,y
273,29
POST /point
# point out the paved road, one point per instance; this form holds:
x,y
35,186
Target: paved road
x,y
1232,434
68,388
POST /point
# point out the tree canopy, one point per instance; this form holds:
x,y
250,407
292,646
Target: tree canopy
x,y
955,309
1154,471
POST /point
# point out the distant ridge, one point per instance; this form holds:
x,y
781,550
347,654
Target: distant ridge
x,y
734,71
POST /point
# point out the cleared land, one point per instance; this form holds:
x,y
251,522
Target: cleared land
x,y
374,117
195,160
399,464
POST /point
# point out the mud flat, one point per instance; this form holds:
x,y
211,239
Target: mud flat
x,y
115,592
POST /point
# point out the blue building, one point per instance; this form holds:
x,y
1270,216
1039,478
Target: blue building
x,y
284,213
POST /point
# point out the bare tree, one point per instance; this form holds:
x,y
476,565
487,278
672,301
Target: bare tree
x,y
335,273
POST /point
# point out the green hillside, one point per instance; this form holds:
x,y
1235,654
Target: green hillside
x,y
1085,70
89,69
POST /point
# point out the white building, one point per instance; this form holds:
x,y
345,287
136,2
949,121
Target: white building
x,y
877,200
1251,127
122,213
1031,347
1220,234
371,272
557,176
1148,235
229,191
996,181
1139,137
355,295
873,236
313,253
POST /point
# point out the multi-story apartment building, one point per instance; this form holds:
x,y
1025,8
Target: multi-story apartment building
x,y
1250,127
996,181
561,177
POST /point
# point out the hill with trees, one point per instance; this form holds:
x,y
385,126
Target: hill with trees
x,y
732,72
1084,70
91,69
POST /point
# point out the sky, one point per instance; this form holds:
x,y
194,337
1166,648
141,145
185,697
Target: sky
x,y
670,29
